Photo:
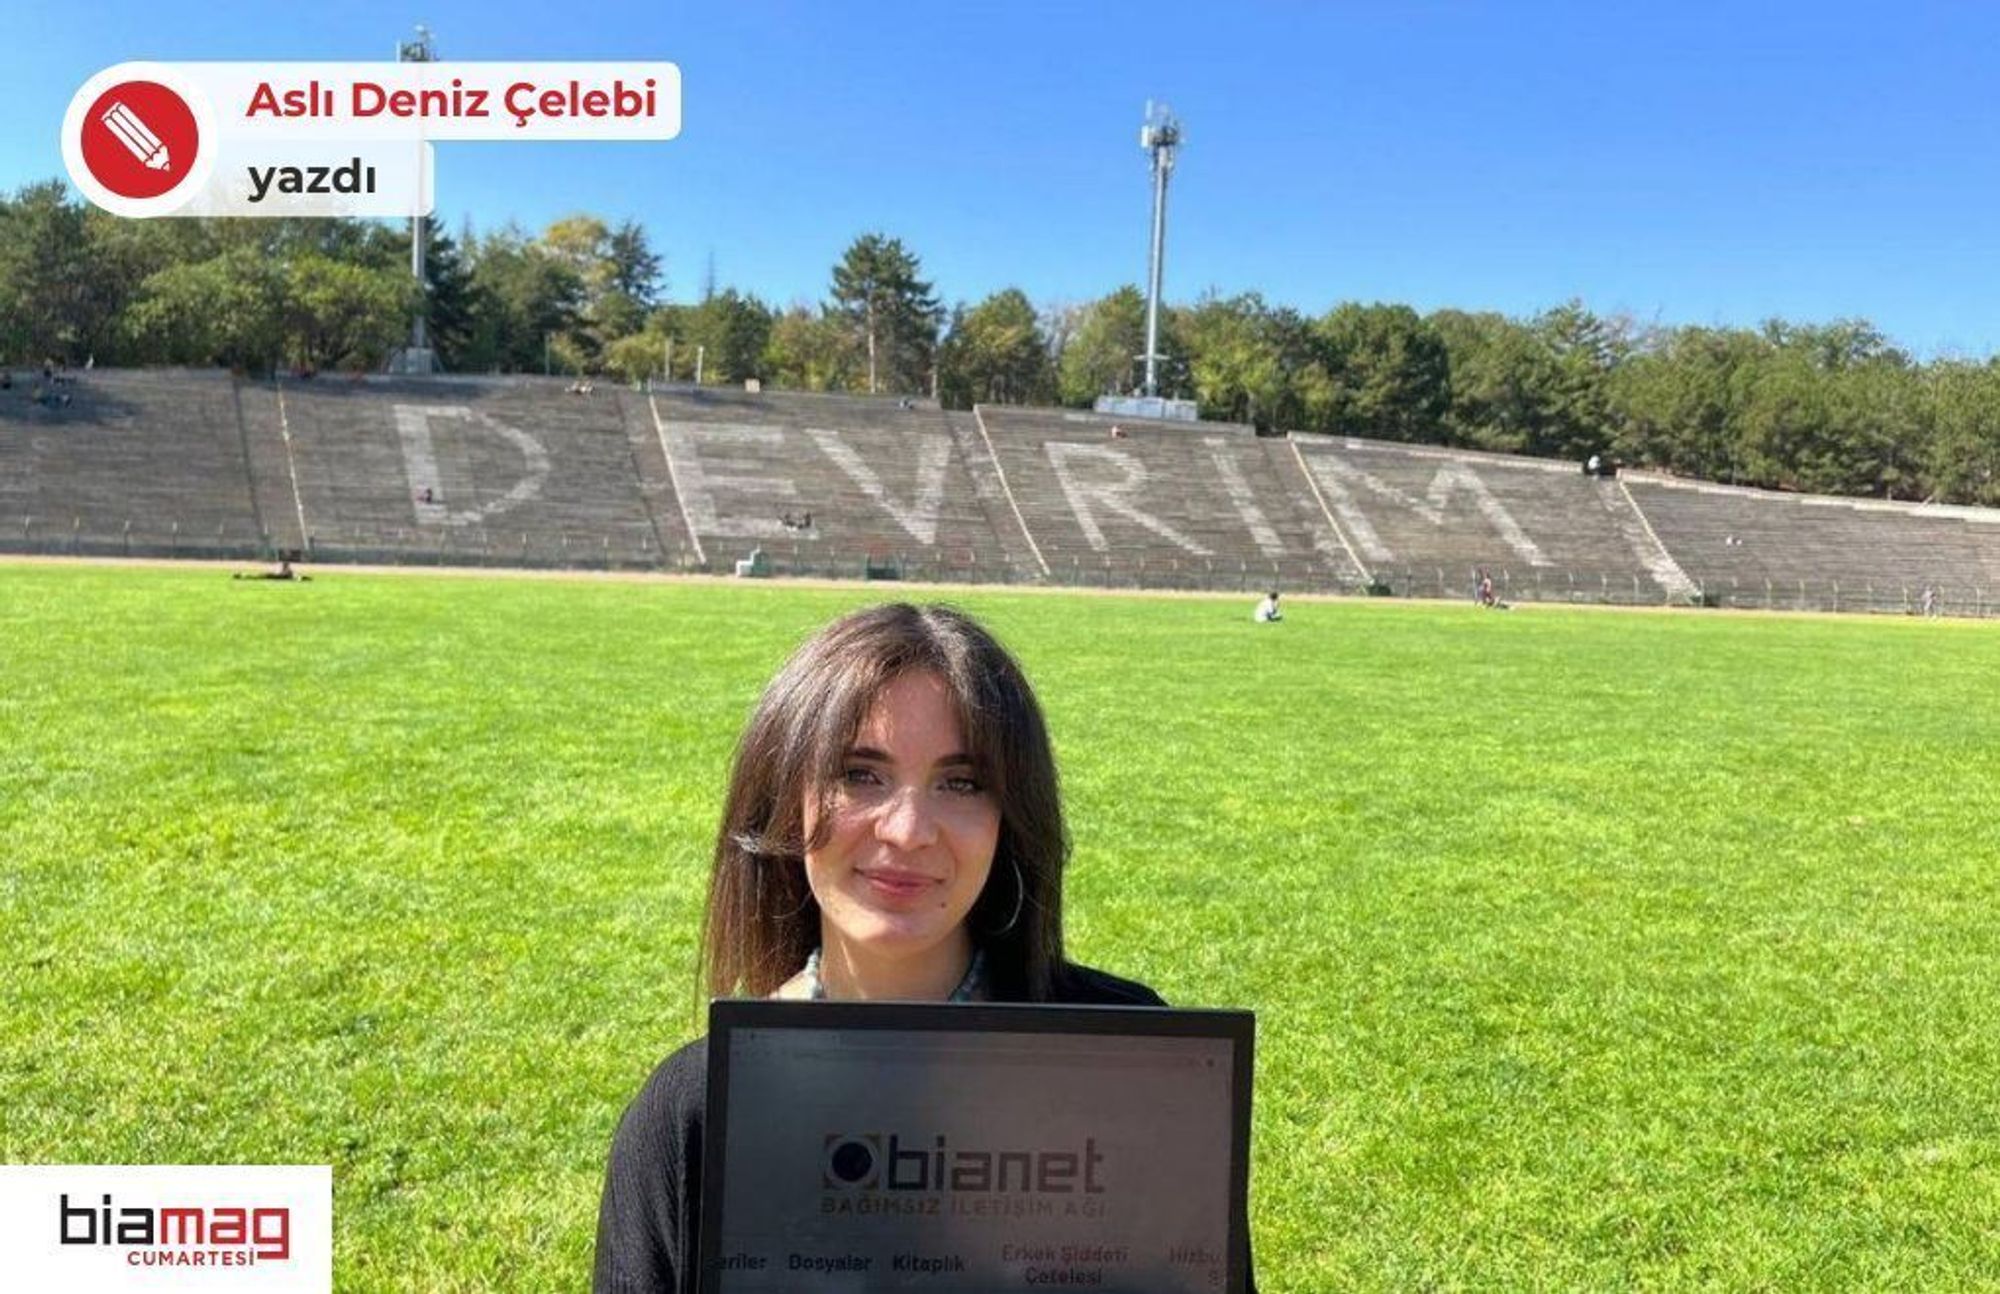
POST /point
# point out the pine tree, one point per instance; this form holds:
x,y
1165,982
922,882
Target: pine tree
x,y
889,310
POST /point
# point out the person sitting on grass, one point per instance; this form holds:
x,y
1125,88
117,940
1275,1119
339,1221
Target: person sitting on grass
x,y
284,572
1267,612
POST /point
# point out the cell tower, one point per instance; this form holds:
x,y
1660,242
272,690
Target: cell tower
x,y
1161,137
417,357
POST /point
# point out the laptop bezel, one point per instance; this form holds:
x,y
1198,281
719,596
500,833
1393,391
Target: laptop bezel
x,y
727,1015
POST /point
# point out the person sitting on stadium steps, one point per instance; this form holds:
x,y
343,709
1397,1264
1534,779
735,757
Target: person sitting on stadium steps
x,y
1267,612
893,829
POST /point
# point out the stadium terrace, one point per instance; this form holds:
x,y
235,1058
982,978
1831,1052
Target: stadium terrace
x,y
540,473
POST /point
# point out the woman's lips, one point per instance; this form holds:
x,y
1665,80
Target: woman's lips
x,y
894,885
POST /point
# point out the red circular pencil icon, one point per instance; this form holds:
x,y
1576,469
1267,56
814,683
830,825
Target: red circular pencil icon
x,y
140,139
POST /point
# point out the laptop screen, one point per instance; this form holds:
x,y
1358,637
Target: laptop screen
x,y
925,1147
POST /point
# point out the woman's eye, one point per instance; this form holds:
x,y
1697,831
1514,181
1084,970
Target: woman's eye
x,y
858,776
962,786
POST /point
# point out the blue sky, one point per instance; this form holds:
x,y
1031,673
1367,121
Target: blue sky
x,y
1690,162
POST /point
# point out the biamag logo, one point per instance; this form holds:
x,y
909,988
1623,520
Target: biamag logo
x,y
873,1161
111,1228
181,1235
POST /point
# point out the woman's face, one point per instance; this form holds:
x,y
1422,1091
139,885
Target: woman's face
x,y
912,834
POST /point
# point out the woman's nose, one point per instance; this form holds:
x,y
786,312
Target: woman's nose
x,y
906,820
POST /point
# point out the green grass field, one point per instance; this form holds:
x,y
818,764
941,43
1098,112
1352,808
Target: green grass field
x,y
1590,950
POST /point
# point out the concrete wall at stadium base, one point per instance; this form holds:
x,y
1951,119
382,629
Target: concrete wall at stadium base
x,y
530,472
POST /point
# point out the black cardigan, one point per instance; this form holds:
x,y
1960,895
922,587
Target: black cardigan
x,y
650,1219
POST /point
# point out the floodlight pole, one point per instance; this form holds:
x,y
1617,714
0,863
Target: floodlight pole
x,y
1161,137
420,50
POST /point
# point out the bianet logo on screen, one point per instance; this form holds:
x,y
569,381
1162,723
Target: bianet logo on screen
x,y
179,1235
873,1161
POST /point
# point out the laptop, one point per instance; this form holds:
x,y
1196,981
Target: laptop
x,y
924,1146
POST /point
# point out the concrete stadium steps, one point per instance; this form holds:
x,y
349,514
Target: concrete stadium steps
x,y
1024,563
1424,520
195,464
655,479
1164,505
884,483
523,473
1758,548
268,454
1303,497
140,463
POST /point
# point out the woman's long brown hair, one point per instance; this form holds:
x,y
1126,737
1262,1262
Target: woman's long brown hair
x,y
762,921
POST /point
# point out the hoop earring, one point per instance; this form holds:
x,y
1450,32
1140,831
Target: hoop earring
x,y
1020,900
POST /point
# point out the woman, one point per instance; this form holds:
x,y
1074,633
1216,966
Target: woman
x,y
893,831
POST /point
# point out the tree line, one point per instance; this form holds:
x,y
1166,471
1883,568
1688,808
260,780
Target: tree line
x,y
1831,408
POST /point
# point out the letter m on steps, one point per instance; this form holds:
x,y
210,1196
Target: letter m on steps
x,y
1453,479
